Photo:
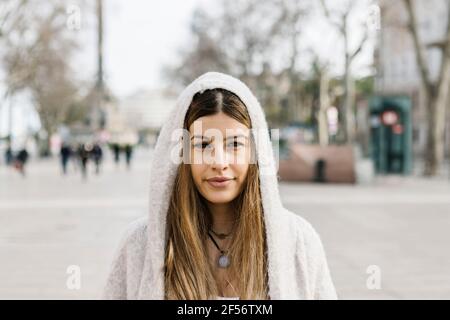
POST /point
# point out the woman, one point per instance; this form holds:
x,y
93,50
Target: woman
x,y
217,228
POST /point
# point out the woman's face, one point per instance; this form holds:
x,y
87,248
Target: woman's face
x,y
220,156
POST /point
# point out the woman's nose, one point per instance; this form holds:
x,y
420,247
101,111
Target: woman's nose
x,y
220,160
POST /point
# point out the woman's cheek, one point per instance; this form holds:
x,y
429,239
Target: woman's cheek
x,y
241,157
241,172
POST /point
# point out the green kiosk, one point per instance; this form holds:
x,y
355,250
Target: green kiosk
x,y
391,134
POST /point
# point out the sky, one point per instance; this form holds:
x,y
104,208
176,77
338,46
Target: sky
x,y
140,37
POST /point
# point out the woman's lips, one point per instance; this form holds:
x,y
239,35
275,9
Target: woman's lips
x,y
220,182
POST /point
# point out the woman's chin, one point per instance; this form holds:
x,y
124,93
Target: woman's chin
x,y
219,198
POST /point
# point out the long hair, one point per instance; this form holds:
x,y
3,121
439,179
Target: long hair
x,y
188,273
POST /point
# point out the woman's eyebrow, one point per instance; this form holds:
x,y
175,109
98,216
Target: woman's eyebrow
x,y
237,136
227,138
200,137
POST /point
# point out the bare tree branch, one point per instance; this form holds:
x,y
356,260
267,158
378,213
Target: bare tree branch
x,y
445,47
361,44
11,15
340,25
420,57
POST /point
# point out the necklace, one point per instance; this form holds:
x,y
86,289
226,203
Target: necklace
x,y
220,235
224,259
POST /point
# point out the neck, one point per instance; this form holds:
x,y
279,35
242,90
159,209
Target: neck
x,y
223,217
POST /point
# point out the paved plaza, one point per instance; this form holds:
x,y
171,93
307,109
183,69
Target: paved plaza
x,y
49,222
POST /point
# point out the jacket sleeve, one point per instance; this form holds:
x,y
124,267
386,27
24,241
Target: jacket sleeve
x,y
122,280
320,283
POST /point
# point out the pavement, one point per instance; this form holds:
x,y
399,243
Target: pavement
x,y
397,226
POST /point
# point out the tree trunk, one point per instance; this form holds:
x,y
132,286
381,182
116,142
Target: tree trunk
x,y
45,145
436,119
437,106
436,94
324,105
349,115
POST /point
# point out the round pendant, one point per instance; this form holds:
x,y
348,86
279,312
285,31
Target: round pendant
x,y
224,261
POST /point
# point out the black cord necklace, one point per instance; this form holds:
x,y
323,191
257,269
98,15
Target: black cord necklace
x,y
220,235
224,259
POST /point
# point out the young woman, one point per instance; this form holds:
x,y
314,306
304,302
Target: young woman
x,y
216,227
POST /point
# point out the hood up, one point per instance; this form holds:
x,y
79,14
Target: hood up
x,y
297,266
163,172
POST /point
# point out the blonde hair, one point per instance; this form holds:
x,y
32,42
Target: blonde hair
x,y
188,274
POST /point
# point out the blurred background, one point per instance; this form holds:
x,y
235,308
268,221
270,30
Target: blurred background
x,y
358,89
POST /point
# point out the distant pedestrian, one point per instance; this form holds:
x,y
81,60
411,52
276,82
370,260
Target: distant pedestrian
x,y
8,155
83,155
128,154
116,151
21,160
65,154
97,155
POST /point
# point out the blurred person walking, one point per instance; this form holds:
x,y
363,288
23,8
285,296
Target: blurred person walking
x,y
83,155
116,151
65,154
97,156
128,154
8,155
21,160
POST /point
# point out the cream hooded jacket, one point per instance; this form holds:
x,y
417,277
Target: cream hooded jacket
x,y
297,265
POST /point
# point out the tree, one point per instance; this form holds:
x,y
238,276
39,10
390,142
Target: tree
x,y
340,20
324,102
37,58
228,40
435,92
248,39
11,14
201,55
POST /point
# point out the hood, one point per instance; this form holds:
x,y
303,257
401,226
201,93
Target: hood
x,y
163,172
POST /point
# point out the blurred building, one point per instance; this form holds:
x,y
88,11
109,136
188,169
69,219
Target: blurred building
x,y
145,112
397,69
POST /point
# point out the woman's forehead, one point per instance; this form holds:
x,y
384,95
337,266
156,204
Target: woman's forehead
x,y
218,122
219,117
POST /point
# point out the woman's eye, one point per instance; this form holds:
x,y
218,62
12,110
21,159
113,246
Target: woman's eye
x,y
235,144
207,145
202,145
